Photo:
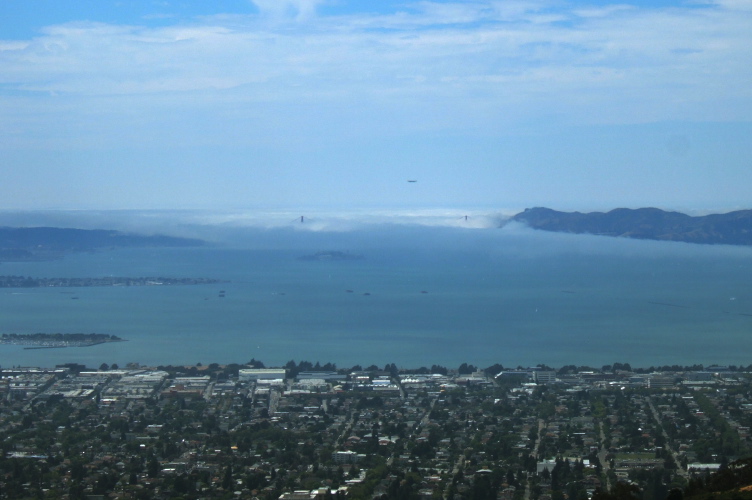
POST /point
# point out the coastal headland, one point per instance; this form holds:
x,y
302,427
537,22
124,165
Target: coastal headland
x,y
732,228
21,244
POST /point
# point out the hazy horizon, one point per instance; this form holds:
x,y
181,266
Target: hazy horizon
x,y
180,222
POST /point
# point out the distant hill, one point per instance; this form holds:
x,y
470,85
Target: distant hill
x,y
733,228
40,243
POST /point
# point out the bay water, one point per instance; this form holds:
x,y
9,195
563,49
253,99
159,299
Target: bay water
x,y
419,296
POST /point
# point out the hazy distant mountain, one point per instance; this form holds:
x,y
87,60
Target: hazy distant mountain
x,y
733,228
39,243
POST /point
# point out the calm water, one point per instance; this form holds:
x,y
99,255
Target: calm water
x,y
510,296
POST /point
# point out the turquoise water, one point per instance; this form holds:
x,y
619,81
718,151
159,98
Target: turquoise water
x,y
511,296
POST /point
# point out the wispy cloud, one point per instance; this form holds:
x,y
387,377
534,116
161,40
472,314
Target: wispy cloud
x,y
293,88
500,53
279,9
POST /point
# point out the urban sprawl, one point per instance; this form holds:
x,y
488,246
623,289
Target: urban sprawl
x,y
307,431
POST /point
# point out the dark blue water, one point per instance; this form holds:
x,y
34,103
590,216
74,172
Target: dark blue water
x,y
510,296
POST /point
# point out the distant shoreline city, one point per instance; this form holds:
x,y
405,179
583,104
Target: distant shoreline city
x,y
292,368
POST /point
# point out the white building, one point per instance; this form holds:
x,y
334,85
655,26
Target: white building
x,y
544,377
346,457
249,374
545,465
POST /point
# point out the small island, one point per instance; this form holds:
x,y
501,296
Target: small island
x,y
331,255
57,340
29,282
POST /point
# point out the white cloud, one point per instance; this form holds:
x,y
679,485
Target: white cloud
x,y
13,45
346,220
280,9
430,65
605,11
738,5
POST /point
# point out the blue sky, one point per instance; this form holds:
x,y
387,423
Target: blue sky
x,y
335,103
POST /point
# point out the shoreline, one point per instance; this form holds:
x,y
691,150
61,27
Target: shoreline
x,y
57,340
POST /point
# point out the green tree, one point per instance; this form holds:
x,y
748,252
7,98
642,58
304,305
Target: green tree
x,y
227,480
152,467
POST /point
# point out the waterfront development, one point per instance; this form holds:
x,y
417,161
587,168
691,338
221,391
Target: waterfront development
x,y
305,431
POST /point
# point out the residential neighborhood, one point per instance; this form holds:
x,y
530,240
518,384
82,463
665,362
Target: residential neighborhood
x,y
306,431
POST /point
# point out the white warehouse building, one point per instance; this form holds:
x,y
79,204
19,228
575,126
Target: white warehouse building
x,y
249,374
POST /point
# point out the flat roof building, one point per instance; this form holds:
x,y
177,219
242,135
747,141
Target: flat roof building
x,y
544,377
249,374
